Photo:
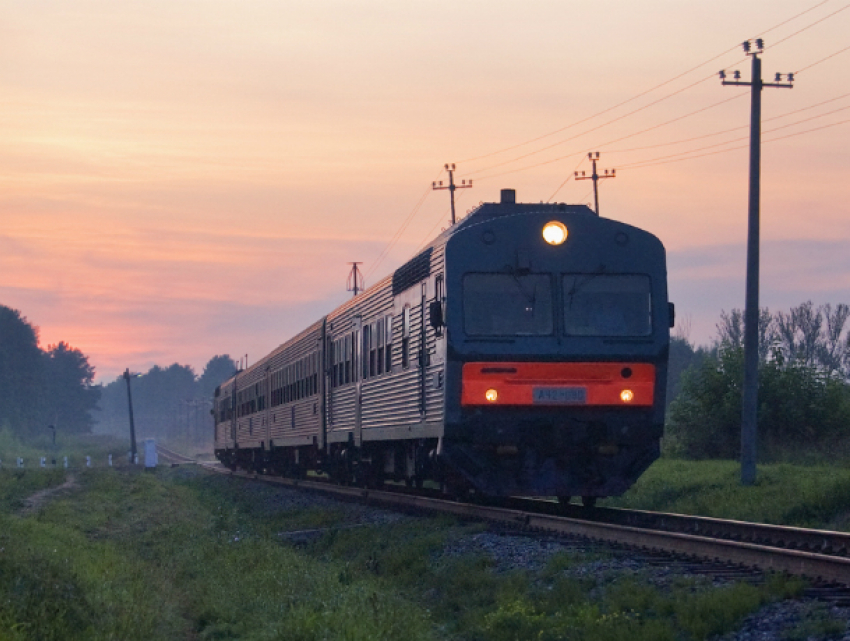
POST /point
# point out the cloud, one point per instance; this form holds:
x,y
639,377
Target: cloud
x,y
705,280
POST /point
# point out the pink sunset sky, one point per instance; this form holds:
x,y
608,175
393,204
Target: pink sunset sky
x,y
181,179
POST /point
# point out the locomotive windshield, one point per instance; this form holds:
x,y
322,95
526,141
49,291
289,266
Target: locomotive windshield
x,y
607,305
507,304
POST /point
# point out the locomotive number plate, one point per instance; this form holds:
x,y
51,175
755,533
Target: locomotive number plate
x,y
559,395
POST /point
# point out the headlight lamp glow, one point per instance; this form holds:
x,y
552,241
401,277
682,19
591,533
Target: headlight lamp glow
x,y
554,233
491,395
627,395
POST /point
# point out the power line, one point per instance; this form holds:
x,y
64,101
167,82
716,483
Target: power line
x,y
832,55
568,179
654,161
816,22
658,86
605,124
395,238
717,133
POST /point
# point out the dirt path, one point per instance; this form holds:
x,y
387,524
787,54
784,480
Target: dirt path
x,y
36,501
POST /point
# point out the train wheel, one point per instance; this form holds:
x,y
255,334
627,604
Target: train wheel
x,y
588,501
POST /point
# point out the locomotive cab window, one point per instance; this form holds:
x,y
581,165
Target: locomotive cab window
x,y
607,305
507,305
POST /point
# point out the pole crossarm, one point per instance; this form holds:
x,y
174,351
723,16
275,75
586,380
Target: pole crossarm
x,y
595,177
465,184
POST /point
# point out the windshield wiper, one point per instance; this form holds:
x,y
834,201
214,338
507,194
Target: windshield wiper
x,y
578,285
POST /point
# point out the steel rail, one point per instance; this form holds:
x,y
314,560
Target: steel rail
x,y
813,565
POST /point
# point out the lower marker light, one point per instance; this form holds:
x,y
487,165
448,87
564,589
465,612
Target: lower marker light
x,y
491,395
627,395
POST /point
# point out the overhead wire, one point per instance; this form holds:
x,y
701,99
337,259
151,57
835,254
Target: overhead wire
x,y
654,88
604,124
816,22
724,131
569,178
395,238
663,160
832,55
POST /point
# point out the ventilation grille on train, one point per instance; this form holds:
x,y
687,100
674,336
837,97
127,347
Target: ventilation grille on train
x,y
412,272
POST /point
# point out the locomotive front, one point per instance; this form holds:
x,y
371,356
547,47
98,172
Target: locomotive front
x,y
557,328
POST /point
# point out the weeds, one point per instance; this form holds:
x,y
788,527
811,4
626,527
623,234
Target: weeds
x,y
182,554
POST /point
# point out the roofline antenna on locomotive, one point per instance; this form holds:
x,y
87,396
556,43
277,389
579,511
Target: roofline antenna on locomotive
x,y
355,281
464,184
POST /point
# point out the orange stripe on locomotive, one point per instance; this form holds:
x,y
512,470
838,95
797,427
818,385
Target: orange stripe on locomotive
x,y
558,384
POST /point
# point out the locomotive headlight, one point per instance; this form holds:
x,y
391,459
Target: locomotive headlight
x,y
627,395
491,395
554,233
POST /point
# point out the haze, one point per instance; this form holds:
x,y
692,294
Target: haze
x,y
184,179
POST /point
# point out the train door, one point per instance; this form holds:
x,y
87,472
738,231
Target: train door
x,y
267,419
233,414
325,387
423,350
361,360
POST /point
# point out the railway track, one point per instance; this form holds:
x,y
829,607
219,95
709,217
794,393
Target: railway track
x,y
737,546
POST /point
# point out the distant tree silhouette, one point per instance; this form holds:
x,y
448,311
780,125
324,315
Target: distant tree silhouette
x,y
217,370
170,403
40,388
70,395
20,371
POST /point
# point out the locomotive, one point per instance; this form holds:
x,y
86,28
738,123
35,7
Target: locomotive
x,y
523,352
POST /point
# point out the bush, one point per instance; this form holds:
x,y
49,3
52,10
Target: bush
x,y
800,407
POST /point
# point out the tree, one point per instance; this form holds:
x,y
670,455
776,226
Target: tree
x,y
20,371
804,396
70,395
217,370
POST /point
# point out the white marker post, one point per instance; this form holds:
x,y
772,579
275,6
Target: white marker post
x,y
110,460
42,461
65,462
150,454
88,461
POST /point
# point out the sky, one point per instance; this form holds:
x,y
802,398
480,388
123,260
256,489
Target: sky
x,y
186,178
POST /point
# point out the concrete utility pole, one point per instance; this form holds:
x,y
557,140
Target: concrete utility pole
x,y
355,279
595,177
451,186
749,413
133,451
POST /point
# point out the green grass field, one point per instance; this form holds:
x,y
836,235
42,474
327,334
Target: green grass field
x,y
183,554
783,494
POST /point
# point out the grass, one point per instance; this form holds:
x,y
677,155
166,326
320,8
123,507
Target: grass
x,y
179,553
783,494
75,447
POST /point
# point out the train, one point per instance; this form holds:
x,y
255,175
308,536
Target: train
x,y
522,352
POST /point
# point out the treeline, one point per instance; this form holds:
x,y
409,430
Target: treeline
x,y
42,387
55,387
803,397
170,402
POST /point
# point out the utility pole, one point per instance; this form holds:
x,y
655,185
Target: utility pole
x,y
595,177
133,451
353,284
451,186
749,412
